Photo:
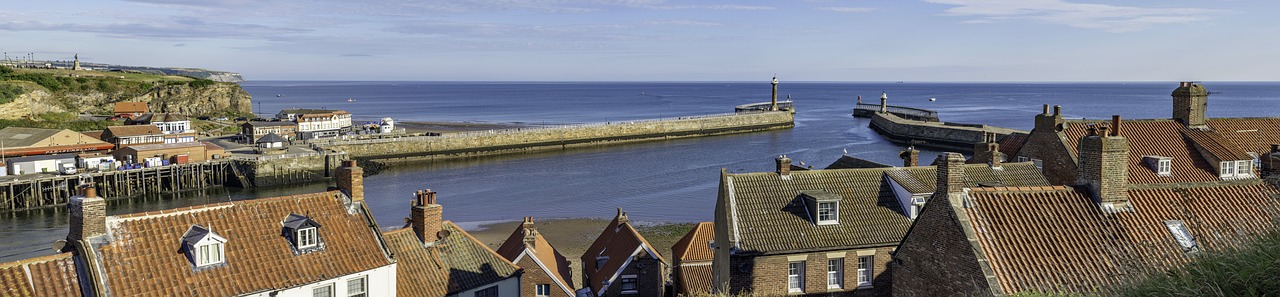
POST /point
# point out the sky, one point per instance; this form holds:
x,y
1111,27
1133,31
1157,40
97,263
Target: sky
x,y
663,40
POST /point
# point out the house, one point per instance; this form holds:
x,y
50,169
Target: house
x,y
177,153
169,123
317,123
1187,148
546,271
271,141
40,163
48,276
124,136
256,129
830,231
691,261
437,258
129,110
313,244
19,141
1078,239
621,262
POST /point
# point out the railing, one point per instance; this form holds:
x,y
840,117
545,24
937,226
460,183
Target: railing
x,y
284,156
916,112
511,130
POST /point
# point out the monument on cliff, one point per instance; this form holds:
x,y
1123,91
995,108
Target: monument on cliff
x,y
76,65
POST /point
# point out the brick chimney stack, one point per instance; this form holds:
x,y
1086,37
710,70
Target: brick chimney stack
x,y
426,216
1190,100
950,173
88,214
987,151
621,217
1104,168
530,231
1050,121
351,180
910,157
783,166
1271,160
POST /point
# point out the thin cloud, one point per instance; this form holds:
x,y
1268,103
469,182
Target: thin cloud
x,y
848,9
710,7
1112,18
690,23
172,29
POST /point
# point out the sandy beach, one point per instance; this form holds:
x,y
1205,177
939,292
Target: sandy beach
x,y
572,237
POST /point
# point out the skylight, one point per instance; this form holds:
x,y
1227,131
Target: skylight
x,y
1182,235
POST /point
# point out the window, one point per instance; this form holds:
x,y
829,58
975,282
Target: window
x,y
1022,159
795,277
1163,167
628,284
835,273
307,237
827,212
864,270
1182,235
323,291
488,292
1244,168
1228,168
209,254
1039,164
544,290
358,287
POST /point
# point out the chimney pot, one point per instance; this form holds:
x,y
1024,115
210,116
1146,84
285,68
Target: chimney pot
x,y
1115,125
1046,109
426,216
783,166
910,157
1057,110
88,214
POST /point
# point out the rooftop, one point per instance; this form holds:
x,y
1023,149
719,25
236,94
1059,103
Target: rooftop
x,y
456,263
554,263
133,130
48,276
22,137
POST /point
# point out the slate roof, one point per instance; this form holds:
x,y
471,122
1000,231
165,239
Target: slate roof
x,y
269,124
141,257
1057,239
768,216
456,263
130,107
48,276
271,137
133,130
1161,137
158,118
847,161
618,241
556,264
693,255
165,146
21,137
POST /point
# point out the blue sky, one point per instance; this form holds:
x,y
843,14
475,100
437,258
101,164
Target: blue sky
x,y
663,40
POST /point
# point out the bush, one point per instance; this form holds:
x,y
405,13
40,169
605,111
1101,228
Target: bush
x,y
1251,270
9,92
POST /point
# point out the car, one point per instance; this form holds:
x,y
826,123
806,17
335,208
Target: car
x,y
222,118
203,118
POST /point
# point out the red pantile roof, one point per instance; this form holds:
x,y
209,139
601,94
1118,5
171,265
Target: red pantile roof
x,y
693,246
1216,145
1153,138
1057,239
1012,143
132,130
141,258
453,264
619,241
1260,141
48,276
130,107
555,264
695,279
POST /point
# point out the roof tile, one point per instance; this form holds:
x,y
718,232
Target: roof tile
x,y
456,263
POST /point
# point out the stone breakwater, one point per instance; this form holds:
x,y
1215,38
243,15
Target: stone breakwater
x,y
951,136
525,139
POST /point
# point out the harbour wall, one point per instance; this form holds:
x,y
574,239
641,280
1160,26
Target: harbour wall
x,y
466,144
942,135
274,170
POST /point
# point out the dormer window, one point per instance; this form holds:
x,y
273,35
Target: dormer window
x,y
203,248
1235,169
823,207
1161,165
302,233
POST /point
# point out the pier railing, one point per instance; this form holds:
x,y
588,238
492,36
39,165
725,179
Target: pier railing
x,y
901,111
511,130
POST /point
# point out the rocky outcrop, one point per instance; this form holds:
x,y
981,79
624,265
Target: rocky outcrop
x,y
215,99
30,104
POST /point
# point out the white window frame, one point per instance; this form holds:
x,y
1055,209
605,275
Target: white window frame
x,y
1228,168
363,284
210,254
1038,163
542,290
795,277
835,273
865,270
328,286
635,283
307,237
1244,168
1164,167
830,216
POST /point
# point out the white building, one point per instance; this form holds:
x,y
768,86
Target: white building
x,y
317,123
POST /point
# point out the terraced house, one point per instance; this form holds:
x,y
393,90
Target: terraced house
x,y
546,271
620,262
1081,239
437,258
691,256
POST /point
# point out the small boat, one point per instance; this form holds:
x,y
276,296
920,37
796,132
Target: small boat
x,y
933,99
351,100
278,95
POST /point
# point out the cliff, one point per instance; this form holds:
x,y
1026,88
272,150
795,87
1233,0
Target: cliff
x,y
96,93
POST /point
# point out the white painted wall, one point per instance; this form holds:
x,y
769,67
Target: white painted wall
x,y
382,282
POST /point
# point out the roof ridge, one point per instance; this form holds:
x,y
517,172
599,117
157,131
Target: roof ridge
x,y
34,260
481,244
215,206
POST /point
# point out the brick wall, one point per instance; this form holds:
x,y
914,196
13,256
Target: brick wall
x,y
1047,143
767,275
936,259
534,275
1189,103
88,217
351,180
1104,166
651,278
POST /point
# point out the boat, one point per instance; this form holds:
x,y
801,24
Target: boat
x,y
933,99
278,95
351,100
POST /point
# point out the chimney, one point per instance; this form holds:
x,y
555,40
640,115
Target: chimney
x,y
351,180
987,151
426,216
1189,103
1050,122
1104,168
950,173
1271,160
621,217
1115,125
529,231
88,214
784,166
910,157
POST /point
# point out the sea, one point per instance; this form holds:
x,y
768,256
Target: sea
x,y
655,181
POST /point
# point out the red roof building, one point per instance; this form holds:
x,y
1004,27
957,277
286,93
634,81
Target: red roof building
x,y
621,262
546,271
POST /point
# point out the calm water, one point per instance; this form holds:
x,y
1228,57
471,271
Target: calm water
x,y
653,181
